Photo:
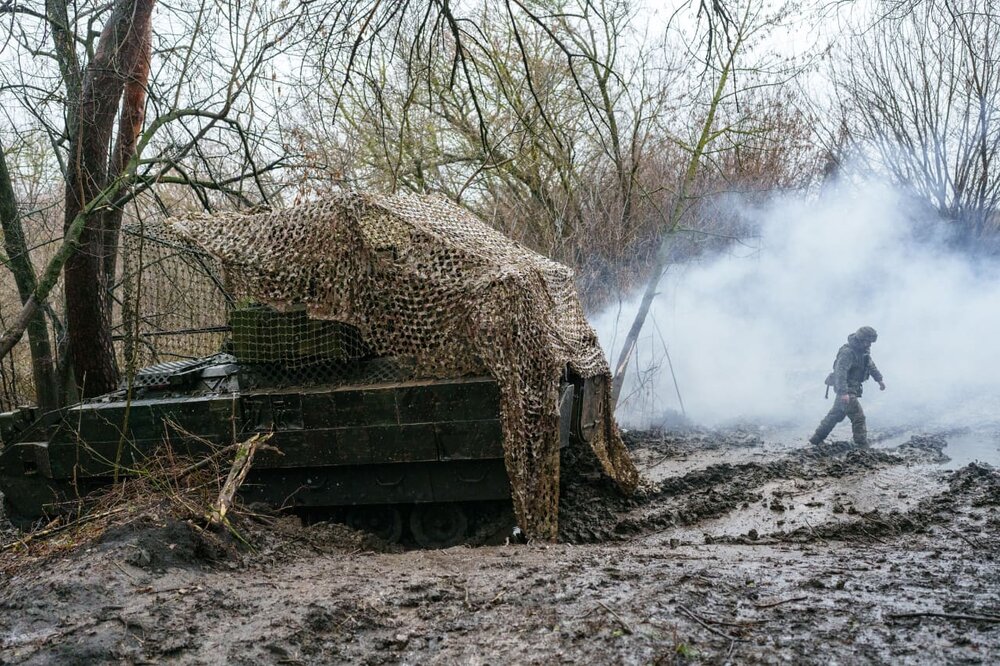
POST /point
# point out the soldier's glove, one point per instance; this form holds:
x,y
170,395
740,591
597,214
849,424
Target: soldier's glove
x,y
846,397
881,386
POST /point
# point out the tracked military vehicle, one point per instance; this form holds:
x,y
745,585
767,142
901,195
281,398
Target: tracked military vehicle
x,y
350,434
411,362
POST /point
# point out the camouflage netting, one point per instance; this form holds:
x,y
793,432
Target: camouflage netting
x,y
425,280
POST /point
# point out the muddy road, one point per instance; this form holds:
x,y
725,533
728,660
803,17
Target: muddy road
x,y
744,546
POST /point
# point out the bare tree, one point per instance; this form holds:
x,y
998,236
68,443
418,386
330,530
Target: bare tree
x,y
551,139
730,71
119,68
921,90
209,131
19,262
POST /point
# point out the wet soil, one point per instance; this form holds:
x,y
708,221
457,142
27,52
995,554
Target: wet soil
x,y
742,546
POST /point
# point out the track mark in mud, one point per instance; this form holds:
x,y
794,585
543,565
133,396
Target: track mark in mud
x,y
592,511
669,443
976,485
320,594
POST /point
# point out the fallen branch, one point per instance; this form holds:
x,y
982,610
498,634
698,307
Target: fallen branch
x,y
778,603
961,536
660,461
872,536
206,461
813,532
39,534
948,616
705,624
625,626
237,473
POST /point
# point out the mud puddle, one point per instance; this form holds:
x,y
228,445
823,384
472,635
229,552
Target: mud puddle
x,y
744,546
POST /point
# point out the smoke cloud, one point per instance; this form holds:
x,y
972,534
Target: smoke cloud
x,y
752,332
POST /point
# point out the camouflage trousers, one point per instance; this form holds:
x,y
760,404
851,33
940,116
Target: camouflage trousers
x,y
840,409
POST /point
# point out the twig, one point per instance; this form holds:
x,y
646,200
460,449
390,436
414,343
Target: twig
x,y
660,461
625,626
183,589
872,536
241,467
204,462
122,569
949,616
703,623
742,624
670,364
778,603
963,537
61,528
813,532
891,528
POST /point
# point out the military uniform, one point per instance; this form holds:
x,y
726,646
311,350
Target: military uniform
x,y
853,366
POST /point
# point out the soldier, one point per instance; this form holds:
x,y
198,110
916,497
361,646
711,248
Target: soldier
x,y
853,366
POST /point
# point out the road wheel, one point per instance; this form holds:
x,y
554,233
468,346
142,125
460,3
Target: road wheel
x,y
438,525
384,522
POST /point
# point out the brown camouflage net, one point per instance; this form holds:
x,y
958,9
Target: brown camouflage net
x,y
424,279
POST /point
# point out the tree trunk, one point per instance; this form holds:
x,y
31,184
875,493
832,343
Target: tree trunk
x,y
129,128
63,40
123,43
19,262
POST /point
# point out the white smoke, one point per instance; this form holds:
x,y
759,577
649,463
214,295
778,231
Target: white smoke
x,y
753,332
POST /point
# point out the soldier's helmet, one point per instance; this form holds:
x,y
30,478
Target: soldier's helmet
x,y
866,334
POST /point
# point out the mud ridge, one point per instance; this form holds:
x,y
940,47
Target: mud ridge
x,y
888,586
592,511
668,442
975,485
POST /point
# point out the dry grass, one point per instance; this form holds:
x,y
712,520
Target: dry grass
x,y
167,488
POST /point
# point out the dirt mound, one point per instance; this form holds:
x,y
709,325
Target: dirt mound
x,y
155,544
979,481
976,485
928,448
685,440
589,504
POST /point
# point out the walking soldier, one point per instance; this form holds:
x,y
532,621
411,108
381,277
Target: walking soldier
x,y
853,366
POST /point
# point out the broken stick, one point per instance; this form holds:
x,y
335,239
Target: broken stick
x,y
237,473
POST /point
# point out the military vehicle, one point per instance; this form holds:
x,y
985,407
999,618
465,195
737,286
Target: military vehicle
x,y
352,434
413,365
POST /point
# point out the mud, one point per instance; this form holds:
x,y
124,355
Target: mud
x,y
743,546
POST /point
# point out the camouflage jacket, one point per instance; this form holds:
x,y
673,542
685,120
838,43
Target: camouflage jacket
x,y
852,367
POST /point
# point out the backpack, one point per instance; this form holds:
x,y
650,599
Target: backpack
x,y
829,378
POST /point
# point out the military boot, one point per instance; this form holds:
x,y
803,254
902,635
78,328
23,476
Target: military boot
x,y
833,417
